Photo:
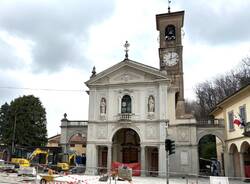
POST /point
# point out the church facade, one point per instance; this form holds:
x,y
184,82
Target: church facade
x,y
133,108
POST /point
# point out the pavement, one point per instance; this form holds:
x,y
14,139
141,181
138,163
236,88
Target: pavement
x,y
12,178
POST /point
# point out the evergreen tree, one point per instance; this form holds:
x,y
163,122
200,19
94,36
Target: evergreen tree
x,y
4,121
23,121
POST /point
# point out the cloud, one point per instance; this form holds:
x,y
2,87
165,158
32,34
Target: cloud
x,y
217,22
8,59
7,94
58,28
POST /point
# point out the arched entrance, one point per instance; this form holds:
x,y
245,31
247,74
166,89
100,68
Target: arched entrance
x,y
126,146
77,143
211,156
235,160
5,154
245,150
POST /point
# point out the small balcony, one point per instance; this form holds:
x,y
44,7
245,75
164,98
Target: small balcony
x,y
247,130
125,116
211,123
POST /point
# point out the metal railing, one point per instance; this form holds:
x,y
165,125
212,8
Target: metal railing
x,y
211,123
93,175
77,123
125,116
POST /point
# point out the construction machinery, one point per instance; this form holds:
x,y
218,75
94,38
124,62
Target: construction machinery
x,y
49,158
26,162
67,160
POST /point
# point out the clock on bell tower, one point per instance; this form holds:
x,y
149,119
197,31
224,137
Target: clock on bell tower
x,y
170,52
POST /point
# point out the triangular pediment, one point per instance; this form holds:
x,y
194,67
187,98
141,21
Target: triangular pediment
x,y
127,72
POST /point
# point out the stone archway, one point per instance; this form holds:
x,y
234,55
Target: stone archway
x,y
77,143
69,129
126,146
210,150
245,154
235,160
201,132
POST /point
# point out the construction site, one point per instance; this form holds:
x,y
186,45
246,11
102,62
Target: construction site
x,y
48,161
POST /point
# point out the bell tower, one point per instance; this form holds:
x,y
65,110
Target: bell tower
x,y
170,52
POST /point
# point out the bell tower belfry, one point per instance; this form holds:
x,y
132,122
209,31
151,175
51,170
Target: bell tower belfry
x,y
170,52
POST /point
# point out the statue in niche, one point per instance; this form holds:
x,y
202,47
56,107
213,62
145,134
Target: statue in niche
x,y
151,104
103,106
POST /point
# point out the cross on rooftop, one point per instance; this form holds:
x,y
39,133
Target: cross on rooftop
x,y
169,6
126,45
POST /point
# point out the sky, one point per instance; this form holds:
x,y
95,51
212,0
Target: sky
x,y
49,47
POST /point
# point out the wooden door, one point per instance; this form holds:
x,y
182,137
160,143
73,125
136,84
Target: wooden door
x,y
154,162
104,159
130,155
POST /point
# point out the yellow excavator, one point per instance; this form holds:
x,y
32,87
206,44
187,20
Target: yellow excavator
x,y
27,162
66,161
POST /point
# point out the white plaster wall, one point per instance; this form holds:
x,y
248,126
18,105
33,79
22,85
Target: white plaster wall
x,y
139,95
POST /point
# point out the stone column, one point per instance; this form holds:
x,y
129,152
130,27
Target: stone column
x,y
114,152
64,134
162,160
242,168
91,159
109,157
228,164
143,173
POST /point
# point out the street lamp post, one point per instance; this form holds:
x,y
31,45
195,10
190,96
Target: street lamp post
x,y
13,137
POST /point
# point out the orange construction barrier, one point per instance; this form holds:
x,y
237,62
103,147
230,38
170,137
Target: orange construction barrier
x,y
136,167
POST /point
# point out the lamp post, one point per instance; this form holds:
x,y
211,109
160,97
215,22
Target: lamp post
x,y
13,137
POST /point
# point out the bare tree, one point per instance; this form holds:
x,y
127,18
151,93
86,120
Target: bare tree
x,y
209,93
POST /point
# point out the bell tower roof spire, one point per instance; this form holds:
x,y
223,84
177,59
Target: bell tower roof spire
x,y
169,1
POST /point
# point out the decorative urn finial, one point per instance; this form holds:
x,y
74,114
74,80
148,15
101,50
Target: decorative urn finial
x,y
93,72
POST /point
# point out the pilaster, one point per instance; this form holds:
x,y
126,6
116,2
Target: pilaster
x,y
109,157
143,160
242,170
162,160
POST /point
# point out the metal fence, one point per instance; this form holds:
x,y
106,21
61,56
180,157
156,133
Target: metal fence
x,y
94,175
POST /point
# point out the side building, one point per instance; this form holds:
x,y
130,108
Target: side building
x,y
235,110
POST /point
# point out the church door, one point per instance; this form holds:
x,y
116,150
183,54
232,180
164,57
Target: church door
x,y
154,161
130,155
126,146
103,153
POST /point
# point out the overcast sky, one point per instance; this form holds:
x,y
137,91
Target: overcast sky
x,y
53,44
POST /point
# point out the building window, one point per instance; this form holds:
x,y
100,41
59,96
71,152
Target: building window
x,y
243,115
231,120
126,104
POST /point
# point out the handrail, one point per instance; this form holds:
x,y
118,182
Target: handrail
x,y
211,122
125,116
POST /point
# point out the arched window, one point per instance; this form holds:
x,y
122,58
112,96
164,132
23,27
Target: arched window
x,y
170,32
126,104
